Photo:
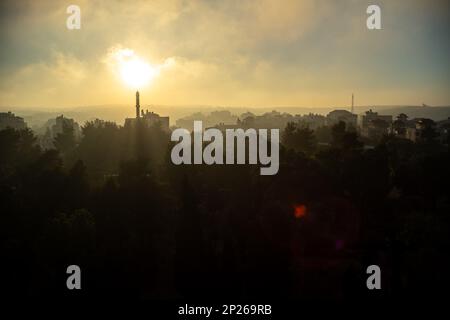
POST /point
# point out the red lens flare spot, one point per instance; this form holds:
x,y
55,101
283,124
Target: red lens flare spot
x,y
299,211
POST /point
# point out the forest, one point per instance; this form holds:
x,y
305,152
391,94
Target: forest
x,y
143,228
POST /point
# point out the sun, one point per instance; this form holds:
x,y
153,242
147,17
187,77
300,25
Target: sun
x,y
137,73
133,70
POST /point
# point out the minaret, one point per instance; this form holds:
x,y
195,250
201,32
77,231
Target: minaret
x,y
352,103
138,107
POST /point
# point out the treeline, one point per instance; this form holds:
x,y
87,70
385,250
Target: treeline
x,y
141,227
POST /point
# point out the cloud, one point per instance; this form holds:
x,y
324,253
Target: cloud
x,y
259,52
35,81
67,68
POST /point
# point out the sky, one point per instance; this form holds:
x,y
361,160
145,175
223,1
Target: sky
x,y
226,53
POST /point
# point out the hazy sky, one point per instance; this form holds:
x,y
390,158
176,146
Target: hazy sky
x,y
229,53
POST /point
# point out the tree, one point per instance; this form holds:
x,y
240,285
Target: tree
x,y
100,148
299,138
65,140
17,148
323,134
343,139
428,133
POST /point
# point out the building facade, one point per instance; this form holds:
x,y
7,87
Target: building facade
x,y
10,120
337,116
373,125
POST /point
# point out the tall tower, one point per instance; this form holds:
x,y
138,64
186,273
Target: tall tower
x,y
138,106
352,103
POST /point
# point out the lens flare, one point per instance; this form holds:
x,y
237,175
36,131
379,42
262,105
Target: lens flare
x,y
299,211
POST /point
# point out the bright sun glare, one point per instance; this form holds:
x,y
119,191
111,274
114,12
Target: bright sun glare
x,y
133,70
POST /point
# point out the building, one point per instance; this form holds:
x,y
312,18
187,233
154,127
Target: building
x,y
337,116
223,126
443,128
61,122
401,125
363,120
422,129
10,120
56,126
373,125
312,121
277,120
147,118
208,120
